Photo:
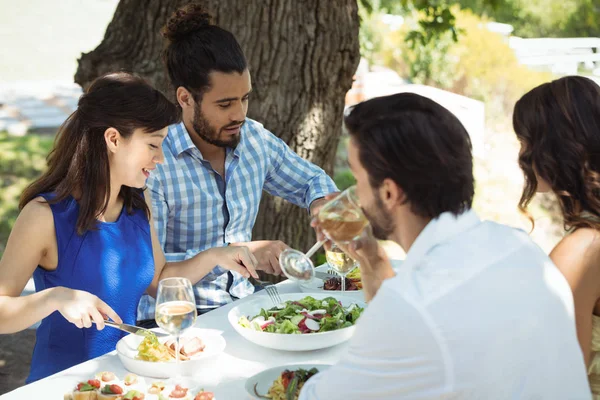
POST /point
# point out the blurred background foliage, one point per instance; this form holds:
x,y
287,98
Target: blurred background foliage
x,y
441,43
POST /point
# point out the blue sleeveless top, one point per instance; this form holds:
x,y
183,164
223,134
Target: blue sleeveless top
x,y
114,262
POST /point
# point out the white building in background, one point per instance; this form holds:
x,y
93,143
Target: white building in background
x,y
497,27
380,81
562,56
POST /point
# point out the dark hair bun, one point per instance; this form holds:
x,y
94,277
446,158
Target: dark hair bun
x,y
186,20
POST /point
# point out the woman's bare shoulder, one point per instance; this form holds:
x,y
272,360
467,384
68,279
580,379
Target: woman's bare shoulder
x,y
36,215
579,249
37,208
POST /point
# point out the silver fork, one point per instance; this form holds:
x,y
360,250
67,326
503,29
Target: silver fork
x,y
272,291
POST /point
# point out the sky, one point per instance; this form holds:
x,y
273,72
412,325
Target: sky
x,y
42,39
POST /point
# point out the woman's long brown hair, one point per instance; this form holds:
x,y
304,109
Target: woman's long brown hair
x,y
558,125
78,162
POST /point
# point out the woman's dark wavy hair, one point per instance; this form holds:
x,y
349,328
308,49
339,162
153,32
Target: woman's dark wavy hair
x,y
78,162
196,47
558,125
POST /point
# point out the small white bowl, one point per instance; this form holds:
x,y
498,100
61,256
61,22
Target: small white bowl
x,y
127,352
290,342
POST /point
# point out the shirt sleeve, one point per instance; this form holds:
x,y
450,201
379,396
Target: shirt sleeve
x,y
160,214
293,178
393,354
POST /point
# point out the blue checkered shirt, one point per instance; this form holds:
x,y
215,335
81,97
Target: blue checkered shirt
x,y
195,209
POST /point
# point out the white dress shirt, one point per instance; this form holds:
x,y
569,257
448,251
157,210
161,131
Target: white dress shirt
x,y
477,311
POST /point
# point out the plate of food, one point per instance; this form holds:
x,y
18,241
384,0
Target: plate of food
x,y
151,356
283,382
106,385
333,283
301,322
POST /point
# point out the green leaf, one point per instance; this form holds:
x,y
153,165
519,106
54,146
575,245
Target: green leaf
x,y
86,387
106,390
286,327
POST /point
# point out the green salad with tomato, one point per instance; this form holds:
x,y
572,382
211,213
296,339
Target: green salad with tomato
x,y
304,316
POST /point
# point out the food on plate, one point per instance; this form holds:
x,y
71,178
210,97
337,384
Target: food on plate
x,y
106,377
95,389
110,392
85,391
188,347
179,392
151,349
203,395
353,281
336,284
134,395
156,387
308,315
130,379
287,386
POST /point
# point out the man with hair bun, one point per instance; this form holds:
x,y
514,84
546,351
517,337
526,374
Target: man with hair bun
x,y
218,162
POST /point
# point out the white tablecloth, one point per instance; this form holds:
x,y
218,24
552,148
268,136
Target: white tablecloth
x,y
240,360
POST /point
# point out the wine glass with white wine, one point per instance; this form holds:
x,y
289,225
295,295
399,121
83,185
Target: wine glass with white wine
x,y
341,219
175,310
341,263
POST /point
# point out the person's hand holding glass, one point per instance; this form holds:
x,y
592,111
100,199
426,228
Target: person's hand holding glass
x,y
341,220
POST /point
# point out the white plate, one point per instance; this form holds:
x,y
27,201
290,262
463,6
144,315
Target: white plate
x,y
316,286
127,352
194,387
290,342
263,380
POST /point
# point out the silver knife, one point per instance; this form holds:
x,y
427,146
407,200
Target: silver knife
x,y
132,329
324,275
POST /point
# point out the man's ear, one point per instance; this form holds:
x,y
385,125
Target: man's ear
x,y
112,137
184,98
391,194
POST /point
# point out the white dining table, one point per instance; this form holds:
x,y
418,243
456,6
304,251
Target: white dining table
x,y
226,375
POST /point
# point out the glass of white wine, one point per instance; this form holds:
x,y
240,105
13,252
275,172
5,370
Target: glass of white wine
x,y
175,309
341,263
341,219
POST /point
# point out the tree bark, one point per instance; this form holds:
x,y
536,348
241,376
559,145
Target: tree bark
x,y
302,56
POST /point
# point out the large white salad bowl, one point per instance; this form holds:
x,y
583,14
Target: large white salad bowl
x,y
290,342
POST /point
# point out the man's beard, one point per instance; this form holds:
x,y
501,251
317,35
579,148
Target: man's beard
x,y
211,135
383,224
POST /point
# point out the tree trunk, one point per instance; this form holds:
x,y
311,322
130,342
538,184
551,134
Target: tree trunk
x,y
302,56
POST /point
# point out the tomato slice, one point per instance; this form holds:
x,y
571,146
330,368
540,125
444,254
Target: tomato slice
x,y
116,389
95,383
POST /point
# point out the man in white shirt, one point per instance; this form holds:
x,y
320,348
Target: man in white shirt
x,y
477,310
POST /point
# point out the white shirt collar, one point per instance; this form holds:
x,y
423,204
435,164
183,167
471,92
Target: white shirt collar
x,y
439,230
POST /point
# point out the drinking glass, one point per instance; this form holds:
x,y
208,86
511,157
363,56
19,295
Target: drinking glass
x,y
341,219
341,263
175,310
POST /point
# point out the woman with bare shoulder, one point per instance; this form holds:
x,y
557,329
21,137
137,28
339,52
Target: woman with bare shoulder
x,y
558,126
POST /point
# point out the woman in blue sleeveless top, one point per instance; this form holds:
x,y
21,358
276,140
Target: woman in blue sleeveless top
x,y
85,232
